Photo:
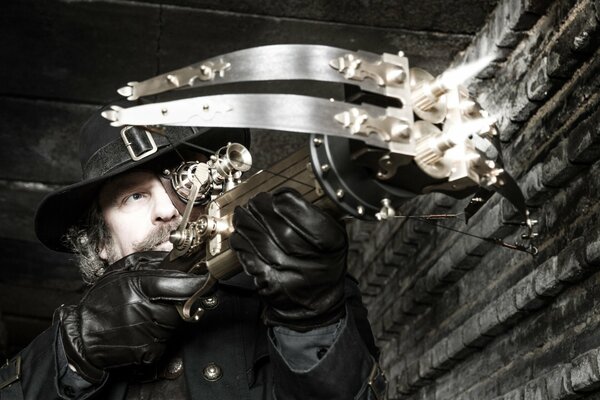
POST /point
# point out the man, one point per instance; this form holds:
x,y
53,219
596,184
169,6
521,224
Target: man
x,y
293,327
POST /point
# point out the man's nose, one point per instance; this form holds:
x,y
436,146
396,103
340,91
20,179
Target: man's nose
x,y
164,210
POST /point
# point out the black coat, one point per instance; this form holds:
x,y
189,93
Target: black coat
x,y
233,337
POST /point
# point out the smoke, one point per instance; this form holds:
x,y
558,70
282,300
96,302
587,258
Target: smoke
x,y
459,75
476,126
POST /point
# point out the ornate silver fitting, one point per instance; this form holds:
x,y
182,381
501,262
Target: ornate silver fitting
x,y
183,77
387,128
383,73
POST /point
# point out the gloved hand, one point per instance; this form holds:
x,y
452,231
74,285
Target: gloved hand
x,y
297,256
126,317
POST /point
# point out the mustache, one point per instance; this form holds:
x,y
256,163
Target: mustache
x,y
157,236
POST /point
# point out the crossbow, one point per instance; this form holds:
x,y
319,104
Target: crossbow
x,y
399,132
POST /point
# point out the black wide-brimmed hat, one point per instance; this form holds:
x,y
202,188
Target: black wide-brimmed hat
x,y
106,151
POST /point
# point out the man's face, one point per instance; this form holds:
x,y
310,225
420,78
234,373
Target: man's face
x,y
138,213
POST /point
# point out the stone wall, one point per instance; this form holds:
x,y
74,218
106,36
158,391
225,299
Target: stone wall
x,y
461,318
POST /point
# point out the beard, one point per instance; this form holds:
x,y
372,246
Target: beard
x,y
152,241
156,237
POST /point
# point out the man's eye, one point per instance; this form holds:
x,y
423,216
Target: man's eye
x,y
133,198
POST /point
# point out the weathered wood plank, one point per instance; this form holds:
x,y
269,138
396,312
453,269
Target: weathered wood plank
x,y
84,51
452,16
33,282
33,301
18,202
26,262
38,143
39,140
217,33
78,50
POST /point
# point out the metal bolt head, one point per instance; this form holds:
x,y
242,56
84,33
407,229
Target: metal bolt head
x,y
360,210
164,111
210,302
339,193
317,141
325,167
396,76
581,41
172,79
212,372
174,368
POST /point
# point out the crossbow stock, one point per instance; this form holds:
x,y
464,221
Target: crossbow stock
x,y
364,160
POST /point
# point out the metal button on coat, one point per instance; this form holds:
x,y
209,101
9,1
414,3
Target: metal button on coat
x,y
173,369
210,302
212,372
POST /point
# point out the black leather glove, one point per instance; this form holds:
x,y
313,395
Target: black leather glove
x,y
126,317
297,256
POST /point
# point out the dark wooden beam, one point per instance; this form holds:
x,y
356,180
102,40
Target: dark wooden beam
x,y
39,140
18,202
447,16
34,281
75,50
189,35
23,262
84,51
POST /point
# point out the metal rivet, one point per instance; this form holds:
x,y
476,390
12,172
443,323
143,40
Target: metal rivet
x,y
212,372
325,167
164,111
340,193
581,41
210,302
360,210
172,79
197,314
174,368
205,107
317,141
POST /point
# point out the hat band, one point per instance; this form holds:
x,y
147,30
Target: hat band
x,y
130,149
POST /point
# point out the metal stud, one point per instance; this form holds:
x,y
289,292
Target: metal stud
x,y
173,369
212,372
210,302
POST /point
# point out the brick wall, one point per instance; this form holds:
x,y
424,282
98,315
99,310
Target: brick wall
x,y
460,318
